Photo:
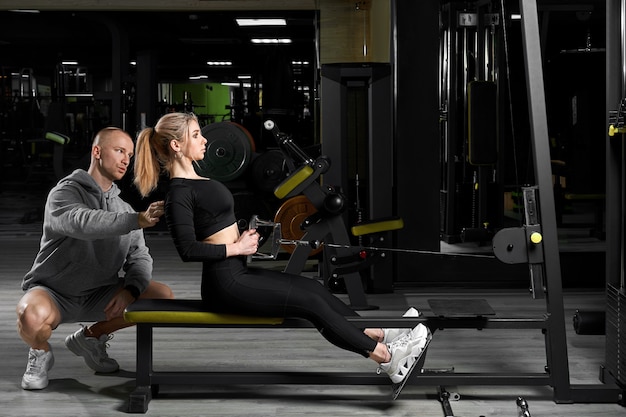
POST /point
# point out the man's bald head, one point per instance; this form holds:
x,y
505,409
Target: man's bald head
x,y
103,136
111,152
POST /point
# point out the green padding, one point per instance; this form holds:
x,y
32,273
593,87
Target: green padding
x,y
57,138
377,227
195,317
295,179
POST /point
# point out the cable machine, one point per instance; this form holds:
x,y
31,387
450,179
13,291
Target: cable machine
x,y
468,101
536,243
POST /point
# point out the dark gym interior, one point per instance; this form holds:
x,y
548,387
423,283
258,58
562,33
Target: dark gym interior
x,y
425,114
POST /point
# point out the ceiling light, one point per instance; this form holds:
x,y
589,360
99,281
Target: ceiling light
x,y
261,22
271,40
233,84
220,63
69,62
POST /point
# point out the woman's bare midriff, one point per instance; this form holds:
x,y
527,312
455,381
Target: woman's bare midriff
x,y
225,236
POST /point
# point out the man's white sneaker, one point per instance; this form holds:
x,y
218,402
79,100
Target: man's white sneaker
x,y
405,351
39,363
392,334
93,350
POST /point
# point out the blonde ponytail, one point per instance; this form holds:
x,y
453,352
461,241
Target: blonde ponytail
x,y
147,167
152,151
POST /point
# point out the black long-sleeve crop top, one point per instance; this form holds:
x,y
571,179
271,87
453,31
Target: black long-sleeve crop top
x,y
194,210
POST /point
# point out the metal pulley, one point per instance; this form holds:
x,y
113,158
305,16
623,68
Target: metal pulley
x,y
519,245
228,151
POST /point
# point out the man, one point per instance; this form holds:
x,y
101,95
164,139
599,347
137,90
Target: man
x,y
89,236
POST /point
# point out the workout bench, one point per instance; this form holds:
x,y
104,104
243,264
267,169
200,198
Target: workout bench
x,y
151,314
447,314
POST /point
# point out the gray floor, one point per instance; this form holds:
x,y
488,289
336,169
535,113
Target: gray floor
x,y
76,391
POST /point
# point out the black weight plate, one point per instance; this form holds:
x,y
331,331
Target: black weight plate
x,y
228,151
267,171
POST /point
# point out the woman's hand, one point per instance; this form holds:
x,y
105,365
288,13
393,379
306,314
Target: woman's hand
x,y
247,244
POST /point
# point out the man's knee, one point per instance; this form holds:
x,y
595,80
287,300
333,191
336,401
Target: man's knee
x,y
158,290
35,310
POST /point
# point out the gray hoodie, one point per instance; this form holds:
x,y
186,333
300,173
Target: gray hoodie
x,y
89,237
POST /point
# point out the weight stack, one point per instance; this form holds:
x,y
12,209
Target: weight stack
x,y
616,333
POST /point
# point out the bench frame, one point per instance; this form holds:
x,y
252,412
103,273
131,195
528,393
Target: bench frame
x,y
148,380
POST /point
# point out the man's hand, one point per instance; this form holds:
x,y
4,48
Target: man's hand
x,y
118,304
151,216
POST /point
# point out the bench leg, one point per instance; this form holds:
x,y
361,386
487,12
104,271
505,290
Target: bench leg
x,y
139,400
141,396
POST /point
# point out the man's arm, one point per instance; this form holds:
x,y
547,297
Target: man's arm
x,y
68,215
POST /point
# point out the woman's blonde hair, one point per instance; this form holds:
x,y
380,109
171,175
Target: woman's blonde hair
x,y
153,155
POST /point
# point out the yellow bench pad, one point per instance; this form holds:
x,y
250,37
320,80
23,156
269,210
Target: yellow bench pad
x,y
188,312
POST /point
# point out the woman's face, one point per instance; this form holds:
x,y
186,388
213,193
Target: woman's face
x,y
196,146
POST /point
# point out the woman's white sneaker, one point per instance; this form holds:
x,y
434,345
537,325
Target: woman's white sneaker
x,y
405,351
392,334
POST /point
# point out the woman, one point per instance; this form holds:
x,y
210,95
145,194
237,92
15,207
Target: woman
x,y
200,216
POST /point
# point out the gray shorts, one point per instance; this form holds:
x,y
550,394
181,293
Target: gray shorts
x,y
88,307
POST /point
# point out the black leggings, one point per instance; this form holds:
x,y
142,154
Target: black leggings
x,y
229,286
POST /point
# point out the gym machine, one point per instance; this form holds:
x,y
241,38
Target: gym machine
x,y
323,222
357,136
536,244
469,96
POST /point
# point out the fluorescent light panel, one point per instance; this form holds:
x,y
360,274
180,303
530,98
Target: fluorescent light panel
x,y
271,40
261,22
234,84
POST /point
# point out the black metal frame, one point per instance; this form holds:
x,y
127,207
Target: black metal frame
x,y
615,194
556,345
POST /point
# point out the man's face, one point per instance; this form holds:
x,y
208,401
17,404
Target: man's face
x,y
114,155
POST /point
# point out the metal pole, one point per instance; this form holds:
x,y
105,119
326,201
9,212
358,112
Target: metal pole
x,y
556,343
